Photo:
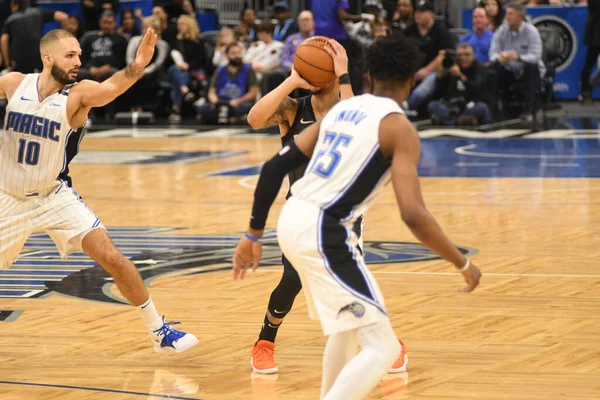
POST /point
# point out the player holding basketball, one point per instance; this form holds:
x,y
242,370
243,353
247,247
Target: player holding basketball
x,y
43,127
354,148
293,115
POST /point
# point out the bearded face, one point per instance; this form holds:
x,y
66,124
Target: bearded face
x,y
63,77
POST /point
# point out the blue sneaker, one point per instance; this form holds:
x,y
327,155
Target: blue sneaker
x,y
168,339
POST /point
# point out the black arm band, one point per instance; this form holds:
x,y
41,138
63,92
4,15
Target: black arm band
x,y
344,79
271,177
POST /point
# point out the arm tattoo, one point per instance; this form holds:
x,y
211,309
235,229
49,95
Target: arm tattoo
x,y
280,114
132,73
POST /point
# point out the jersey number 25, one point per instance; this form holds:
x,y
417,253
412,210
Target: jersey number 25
x,y
329,158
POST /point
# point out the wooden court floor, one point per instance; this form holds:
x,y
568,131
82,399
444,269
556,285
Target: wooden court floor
x,y
531,331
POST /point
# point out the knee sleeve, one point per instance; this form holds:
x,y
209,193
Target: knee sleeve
x,y
282,298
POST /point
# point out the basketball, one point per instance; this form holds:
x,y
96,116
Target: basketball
x,y
313,63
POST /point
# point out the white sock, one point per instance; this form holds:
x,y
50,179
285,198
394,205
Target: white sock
x,y
379,350
150,315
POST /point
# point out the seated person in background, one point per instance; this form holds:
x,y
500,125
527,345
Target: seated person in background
x,y
93,9
495,14
517,53
404,15
168,24
143,91
362,31
460,90
225,38
189,56
246,30
103,53
272,79
129,27
233,90
433,39
265,54
481,37
286,25
73,25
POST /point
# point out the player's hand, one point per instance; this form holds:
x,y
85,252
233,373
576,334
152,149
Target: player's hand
x,y
472,276
146,49
340,58
300,82
246,252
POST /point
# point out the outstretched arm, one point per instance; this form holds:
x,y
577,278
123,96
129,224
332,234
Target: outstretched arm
x,y
273,172
399,139
94,94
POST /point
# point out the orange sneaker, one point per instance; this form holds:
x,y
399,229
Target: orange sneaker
x,y
402,361
262,358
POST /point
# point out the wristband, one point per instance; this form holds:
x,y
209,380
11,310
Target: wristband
x,y
252,238
467,265
344,79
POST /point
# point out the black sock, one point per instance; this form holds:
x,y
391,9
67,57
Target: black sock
x,y
269,330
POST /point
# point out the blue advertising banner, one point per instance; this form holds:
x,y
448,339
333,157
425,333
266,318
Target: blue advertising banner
x,y
566,25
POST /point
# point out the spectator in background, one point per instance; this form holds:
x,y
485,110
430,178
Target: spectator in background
x,y
21,34
174,9
225,38
103,52
517,52
330,16
460,91
362,31
265,54
272,79
404,15
433,40
591,37
73,25
129,27
233,90
92,9
168,24
189,56
495,14
246,30
286,25
480,39
189,9
142,92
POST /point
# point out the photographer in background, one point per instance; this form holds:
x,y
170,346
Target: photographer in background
x,y
459,87
433,39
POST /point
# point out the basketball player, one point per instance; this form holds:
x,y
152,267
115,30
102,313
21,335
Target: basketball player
x,y
293,116
353,151
42,131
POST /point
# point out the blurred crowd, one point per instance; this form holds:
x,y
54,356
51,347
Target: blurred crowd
x,y
472,78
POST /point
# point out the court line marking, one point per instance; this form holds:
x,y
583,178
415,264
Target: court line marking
x,y
89,389
466,151
454,274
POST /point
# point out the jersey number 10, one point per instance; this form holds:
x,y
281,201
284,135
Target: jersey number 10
x,y
325,166
29,152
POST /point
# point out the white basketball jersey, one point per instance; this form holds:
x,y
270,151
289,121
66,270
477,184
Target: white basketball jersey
x,y
347,170
34,140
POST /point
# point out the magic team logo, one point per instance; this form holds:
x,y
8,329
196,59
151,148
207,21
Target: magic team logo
x,y
559,40
157,252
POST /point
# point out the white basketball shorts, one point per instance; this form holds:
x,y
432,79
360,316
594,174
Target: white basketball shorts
x,y
340,290
62,215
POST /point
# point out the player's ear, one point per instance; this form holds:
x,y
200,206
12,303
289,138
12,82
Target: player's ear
x,y
413,81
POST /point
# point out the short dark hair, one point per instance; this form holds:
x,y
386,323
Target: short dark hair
x,y
230,45
108,13
518,7
393,58
54,35
265,26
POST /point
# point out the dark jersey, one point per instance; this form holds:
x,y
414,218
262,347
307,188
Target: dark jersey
x,y
305,117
